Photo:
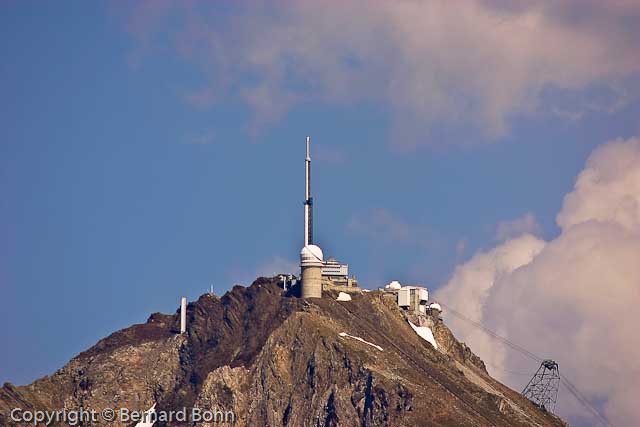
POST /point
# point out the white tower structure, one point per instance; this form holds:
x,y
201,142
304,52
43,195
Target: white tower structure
x,y
311,255
311,267
183,315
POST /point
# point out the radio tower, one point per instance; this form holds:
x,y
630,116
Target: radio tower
x,y
543,387
308,200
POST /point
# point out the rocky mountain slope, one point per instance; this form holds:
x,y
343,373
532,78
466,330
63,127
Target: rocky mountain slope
x,y
276,360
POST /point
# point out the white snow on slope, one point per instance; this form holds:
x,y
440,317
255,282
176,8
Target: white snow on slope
x,y
346,335
149,418
342,296
425,333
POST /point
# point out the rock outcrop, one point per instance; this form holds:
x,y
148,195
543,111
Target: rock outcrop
x,y
275,360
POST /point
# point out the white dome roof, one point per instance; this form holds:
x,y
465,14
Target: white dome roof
x,y
394,285
311,254
435,306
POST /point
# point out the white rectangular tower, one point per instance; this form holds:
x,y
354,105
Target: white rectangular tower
x,y
183,315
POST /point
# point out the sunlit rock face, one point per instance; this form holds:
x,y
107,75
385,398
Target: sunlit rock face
x,y
273,359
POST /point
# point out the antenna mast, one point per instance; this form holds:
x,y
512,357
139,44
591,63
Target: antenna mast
x,y
308,200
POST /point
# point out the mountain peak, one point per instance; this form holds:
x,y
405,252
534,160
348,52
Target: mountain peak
x,y
275,360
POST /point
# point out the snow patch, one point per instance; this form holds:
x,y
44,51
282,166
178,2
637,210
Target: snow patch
x,y
346,335
148,420
425,333
342,296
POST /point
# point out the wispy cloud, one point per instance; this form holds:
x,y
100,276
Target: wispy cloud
x,y
525,224
330,154
380,225
476,62
268,267
201,138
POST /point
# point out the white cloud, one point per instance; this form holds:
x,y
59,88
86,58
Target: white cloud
x,y
608,189
472,282
473,62
522,225
574,298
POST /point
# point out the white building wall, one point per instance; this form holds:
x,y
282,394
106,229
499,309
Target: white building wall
x,y
404,297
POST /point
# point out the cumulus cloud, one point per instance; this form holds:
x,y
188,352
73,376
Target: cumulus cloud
x,y
573,299
471,282
608,189
473,62
524,224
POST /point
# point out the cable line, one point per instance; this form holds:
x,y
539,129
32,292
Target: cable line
x,y
573,390
479,325
583,400
500,368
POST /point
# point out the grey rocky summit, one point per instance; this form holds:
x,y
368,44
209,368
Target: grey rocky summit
x,y
280,361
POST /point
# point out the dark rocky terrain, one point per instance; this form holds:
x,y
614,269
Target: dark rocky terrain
x,y
280,361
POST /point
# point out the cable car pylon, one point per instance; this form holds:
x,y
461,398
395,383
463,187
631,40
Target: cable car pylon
x,y
542,389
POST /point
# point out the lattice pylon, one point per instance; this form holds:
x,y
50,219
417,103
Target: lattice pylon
x,y
543,387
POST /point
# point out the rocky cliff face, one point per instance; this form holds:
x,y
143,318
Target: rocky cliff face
x,y
279,361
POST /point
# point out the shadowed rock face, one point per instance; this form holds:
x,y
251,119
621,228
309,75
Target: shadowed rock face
x,y
280,361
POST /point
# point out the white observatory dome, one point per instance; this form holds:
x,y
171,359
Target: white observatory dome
x,y
394,285
311,254
435,306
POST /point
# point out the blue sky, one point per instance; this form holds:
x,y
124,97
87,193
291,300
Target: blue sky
x,y
124,186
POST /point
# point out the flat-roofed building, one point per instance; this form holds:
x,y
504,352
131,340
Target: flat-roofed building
x,y
336,275
332,267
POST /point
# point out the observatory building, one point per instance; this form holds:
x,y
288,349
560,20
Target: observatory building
x,y
316,273
311,271
413,299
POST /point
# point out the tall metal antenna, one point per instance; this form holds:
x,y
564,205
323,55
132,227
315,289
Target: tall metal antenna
x,y
308,200
543,387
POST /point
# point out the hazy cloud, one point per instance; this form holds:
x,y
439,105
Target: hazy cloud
x,y
333,154
201,138
525,224
380,225
461,247
267,268
473,62
277,265
574,298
